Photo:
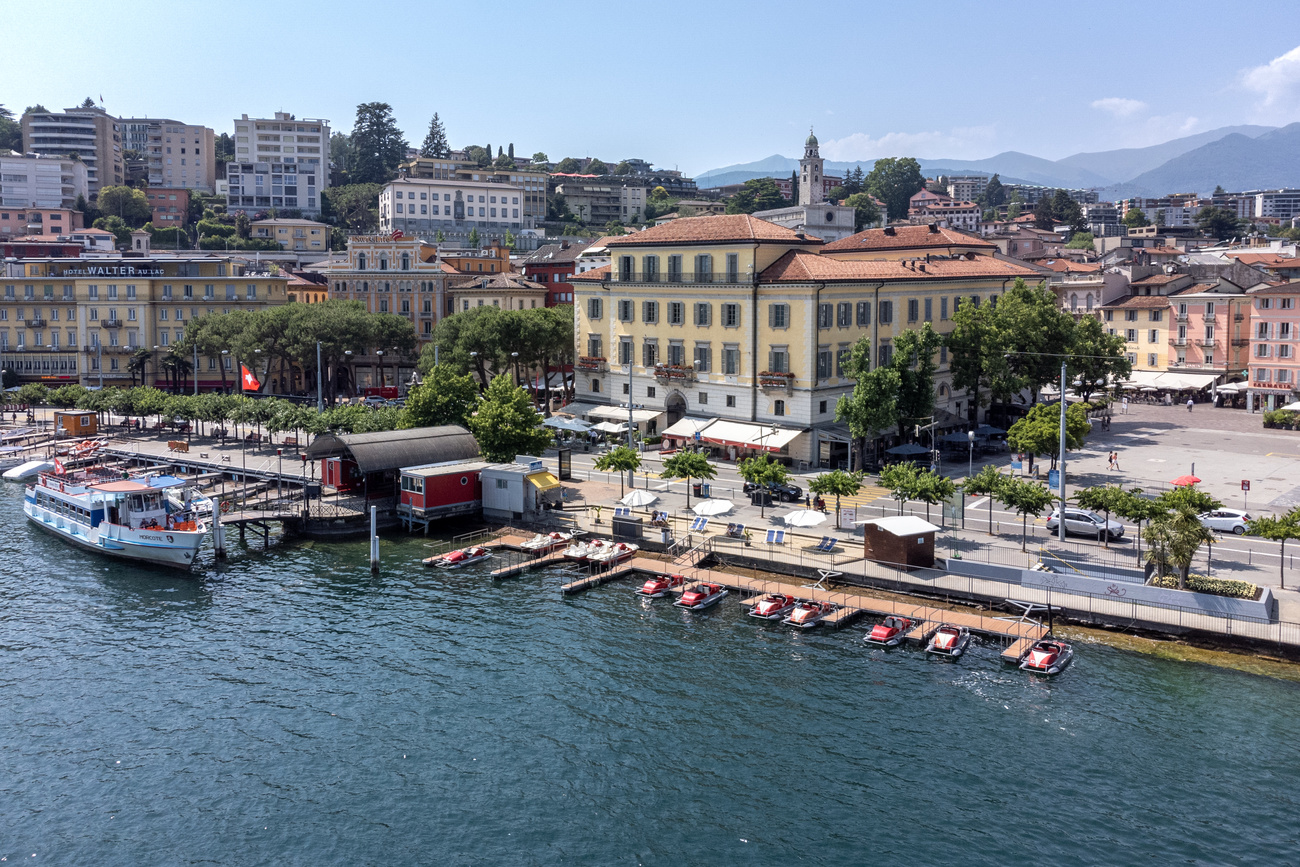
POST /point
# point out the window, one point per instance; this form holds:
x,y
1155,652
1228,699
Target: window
x,y
650,353
778,359
626,310
702,397
674,269
1209,308
886,312
1265,303
943,309
844,314
1284,331
625,264
703,358
1261,350
731,360
650,269
703,314
1285,303
593,308
1151,336
733,268
824,314
823,362
778,407
943,354
676,313
778,315
704,268
885,355
1130,316
625,350
1151,359
1283,374
821,407
595,385
842,358
649,311
676,353
864,313
730,315
650,391
913,310
731,400
503,484
1131,335
1155,315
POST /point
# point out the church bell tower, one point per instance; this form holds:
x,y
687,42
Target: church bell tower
x,y
810,174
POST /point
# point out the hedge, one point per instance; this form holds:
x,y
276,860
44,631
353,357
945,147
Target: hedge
x,y
1205,584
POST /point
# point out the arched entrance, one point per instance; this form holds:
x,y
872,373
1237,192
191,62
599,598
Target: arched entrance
x,y
676,407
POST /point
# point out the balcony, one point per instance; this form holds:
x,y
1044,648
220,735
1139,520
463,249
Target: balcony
x,y
1178,341
36,322
1207,342
1238,317
678,277
596,364
776,381
1240,341
674,373
110,323
1180,317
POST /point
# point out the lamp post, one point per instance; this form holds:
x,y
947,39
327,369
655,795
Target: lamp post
x,y
515,362
347,360
156,364
320,394
380,354
256,353
194,369
1060,475
970,458
99,361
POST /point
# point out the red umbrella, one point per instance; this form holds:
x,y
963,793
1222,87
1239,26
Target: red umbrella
x,y
1181,481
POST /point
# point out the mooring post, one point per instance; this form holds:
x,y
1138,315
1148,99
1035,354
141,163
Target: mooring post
x,y
374,540
218,534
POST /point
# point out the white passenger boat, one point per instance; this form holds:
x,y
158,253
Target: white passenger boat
x,y
121,518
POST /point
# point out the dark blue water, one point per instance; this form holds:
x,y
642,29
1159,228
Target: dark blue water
x,y
287,708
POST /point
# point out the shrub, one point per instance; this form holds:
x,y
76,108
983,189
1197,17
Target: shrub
x,y
1205,584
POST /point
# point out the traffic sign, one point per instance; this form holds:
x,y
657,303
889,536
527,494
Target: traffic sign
x,y
1245,484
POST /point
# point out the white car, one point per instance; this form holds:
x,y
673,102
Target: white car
x,y
1226,521
1085,523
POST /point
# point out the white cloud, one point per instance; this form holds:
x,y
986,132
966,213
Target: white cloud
x,y
958,143
1119,106
1278,83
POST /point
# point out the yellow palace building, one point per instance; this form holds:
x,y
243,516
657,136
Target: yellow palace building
x,y
741,320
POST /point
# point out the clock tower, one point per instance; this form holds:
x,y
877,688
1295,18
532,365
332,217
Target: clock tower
x,y
810,174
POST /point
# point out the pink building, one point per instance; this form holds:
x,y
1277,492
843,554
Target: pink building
x,y
1211,328
1275,327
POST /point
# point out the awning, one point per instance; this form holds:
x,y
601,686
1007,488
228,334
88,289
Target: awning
x,y
578,409
619,413
748,436
1172,380
687,427
610,427
543,481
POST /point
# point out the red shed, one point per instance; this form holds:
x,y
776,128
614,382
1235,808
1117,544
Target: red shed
x,y
441,490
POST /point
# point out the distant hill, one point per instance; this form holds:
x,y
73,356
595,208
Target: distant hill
x,y
1236,162
1238,157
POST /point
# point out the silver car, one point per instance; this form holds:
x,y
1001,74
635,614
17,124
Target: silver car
x,y
1226,521
1082,522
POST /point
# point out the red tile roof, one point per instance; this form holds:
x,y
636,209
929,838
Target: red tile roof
x,y
595,275
1157,280
1265,259
800,266
716,229
1164,251
906,238
1066,266
1276,289
1141,302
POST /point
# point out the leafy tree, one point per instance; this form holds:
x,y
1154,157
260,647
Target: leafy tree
x,y
243,226
510,239
1081,241
354,206
1219,223
872,406
504,163
67,395
1025,498
11,132
377,144
986,483
35,109
1044,215
759,194
903,482
1031,326
33,393
1039,432
1135,219
473,238
995,195
623,168
976,350
435,142
506,423
540,157
763,471
913,358
836,483
894,181
1066,210
444,397
1103,498
596,167
620,460
1096,356
127,203
933,489
121,231
567,166
1013,211
1278,528
1138,509
688,464
865,212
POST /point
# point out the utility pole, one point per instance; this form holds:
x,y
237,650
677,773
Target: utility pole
x,y
1060,473
320,392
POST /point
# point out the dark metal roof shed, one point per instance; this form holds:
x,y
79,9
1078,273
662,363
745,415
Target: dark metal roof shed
x,y
393,449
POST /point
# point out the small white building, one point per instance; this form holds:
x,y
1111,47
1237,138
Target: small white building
x,y
518,490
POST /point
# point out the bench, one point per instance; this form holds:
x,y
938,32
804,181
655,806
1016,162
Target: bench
x,y
698,525
291,441
174,446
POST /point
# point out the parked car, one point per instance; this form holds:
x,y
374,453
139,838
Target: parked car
x,y
1081,522
1226,521
785,493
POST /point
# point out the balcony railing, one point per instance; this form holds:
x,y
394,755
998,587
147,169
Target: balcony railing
x,y
36,323
1178,341
674,373
1209,342
776,380
1240,341
110,323
675,277
1180,317
594,363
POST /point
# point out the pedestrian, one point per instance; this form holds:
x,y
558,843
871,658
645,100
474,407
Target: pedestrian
x,y
1125,405
1110,461
1189,404
1114,459
807,501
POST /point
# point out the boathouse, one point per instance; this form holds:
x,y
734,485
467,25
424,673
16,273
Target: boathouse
x,y
371,463
899,540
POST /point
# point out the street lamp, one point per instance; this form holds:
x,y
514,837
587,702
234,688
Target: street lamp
x,y
320,394
256,353
225,356
347,362
970,458
515,362
156,364
380,353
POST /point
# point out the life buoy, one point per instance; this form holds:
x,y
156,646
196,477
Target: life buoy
x,y
225,506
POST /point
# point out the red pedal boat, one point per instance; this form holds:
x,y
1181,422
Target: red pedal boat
x,y
658,586
773,606
461,557
701,596
808,614
890,633
949,640
544,543
1047,657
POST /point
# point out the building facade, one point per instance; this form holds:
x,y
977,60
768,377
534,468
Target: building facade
x,y
34,181
553,266
1274,379
280,162
597,202
530,184
813,215
91,133
171,206
505,291
403,276
79,320
177,155
424,207
299,235
52,222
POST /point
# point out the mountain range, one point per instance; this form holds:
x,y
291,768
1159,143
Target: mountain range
x,y
1234,157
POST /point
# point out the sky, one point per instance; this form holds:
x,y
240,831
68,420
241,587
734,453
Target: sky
x,y
691,86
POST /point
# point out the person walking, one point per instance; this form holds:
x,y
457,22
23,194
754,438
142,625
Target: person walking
x,y
1114,459
1110,461
1125,405
1189,404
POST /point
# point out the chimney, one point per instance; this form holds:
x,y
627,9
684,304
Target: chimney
x,y
934,229
889,230
920,266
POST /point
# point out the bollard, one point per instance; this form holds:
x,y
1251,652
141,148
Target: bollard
x,y
374,541
218,534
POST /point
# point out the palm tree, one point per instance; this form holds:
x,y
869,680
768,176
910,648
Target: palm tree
x,y
136,364
1175,537
619,460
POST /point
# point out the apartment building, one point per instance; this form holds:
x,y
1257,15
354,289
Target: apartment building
x,y
171,206
299,235
51,222
967,188
530,183
177,155
738,319
505,291
552,265
598,202
35,181
1282,204
1211,332
1274,379
92,134
280,162
425,207
79,320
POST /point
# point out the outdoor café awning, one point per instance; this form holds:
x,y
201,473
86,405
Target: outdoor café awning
x,y
543,481
619,413
687,427
1174,381
745,435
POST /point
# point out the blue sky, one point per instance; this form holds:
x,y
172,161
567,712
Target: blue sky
x,y
686,85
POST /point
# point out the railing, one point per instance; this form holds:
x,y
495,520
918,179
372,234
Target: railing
x,y
36,322
674,373
777,381
1180,317
1208,342
110,323
592,363
1178,341
675,277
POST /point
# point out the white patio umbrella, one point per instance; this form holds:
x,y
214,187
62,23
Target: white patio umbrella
x,y
637,499
1292,407
804,518
611,427
712,508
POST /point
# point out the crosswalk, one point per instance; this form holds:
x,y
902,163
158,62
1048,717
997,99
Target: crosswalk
x,y
865,495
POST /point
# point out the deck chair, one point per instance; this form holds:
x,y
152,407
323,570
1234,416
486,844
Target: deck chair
x,y
776,537
826,545
622,512
736,531
698,525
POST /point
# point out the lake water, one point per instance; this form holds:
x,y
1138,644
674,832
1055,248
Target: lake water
x,y
288,708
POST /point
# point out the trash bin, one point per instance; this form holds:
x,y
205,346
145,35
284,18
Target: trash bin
x,y
705,489
666,536
760,498
697,487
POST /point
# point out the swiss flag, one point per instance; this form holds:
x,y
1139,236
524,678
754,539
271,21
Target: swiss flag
x,y
58,467
250,381
398,235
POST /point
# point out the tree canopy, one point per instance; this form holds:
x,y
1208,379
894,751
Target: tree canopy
x,y
1135,219
894,181
1218,223
127,203
506,423
758,194
619,460
1039,432
567,166
865,212
444,397
688,464
435,142
872,406
377,145
597,167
